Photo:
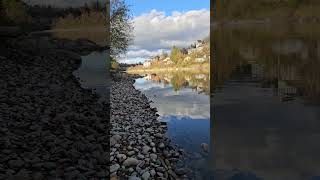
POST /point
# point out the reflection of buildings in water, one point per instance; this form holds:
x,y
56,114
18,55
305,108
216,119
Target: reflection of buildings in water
x,y
167,79
179,80
257,71
284,89
187,77
282,75
249,53
200,76
148,77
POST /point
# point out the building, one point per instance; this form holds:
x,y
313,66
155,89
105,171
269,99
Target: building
x,y
199,43
200,59
167,59
188,58
147,64
191,50
169,62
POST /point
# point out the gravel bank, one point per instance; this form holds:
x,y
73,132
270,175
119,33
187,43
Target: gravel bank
x,y
139,147
50,128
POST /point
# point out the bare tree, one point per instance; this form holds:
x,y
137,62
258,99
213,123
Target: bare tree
x,y
121,27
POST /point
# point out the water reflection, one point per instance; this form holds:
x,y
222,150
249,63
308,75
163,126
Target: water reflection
x,y
93,73
197,81
266,89
182,100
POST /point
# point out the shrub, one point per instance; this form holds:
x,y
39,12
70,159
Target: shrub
x,y
14,12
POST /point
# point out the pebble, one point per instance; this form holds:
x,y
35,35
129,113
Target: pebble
x,y
114,168
153,156
145,149
130,153
152,172
131,162
146,176
134,178
161,145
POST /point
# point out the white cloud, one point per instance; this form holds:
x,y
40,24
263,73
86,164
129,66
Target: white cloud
x,y
156,30
138,55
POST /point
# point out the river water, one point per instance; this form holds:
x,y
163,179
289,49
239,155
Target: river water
x,y
265,102
93,73
182,100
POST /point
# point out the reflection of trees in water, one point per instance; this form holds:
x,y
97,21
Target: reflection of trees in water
x,y
287,53
197,81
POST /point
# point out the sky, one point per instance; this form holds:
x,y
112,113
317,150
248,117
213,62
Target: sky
x,y
161,24
158,24
142,6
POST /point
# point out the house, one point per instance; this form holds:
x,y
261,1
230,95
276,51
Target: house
x,y
200,76
188,58
199,49
169,62
199,43
200,59
167,59
191,50
147,64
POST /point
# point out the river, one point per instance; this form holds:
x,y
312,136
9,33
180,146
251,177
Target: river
x,y
265,102
182,100
93,73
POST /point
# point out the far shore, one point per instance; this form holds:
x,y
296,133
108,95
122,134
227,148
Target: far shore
x,y
204,68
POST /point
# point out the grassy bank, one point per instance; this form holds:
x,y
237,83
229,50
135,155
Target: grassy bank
x,y
204,67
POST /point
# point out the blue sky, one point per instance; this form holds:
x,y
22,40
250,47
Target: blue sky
x,y
143,6
161,24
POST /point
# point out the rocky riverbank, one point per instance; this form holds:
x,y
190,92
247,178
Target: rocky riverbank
x,y
139,147
50,128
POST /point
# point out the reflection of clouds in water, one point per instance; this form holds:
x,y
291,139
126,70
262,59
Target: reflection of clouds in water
x,y
181,109
143,85
185,102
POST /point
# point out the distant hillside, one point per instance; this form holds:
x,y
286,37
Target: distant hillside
x,y
196,55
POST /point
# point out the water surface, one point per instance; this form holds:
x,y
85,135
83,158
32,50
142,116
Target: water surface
x,y
265,105
182,100
93,73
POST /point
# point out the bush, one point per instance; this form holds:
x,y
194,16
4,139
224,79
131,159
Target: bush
x,y
114,64
13,12
176,55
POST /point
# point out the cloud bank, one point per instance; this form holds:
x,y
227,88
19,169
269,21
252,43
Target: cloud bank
x,y
156,31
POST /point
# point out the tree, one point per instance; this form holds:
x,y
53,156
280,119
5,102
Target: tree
x,y
176,55
184,51
121,27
